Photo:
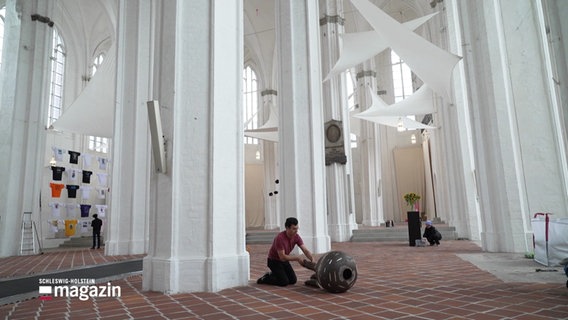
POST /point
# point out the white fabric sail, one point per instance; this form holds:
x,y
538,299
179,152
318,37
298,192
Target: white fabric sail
x,y
361,46
269,130
92,113
376,113
420,102
432,64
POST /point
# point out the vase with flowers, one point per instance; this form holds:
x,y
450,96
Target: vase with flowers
x,y
412,200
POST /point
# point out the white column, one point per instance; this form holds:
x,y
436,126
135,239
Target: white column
x,y
272,217
126,232
197,225
341,220
369,146
301,121
23,116
517,154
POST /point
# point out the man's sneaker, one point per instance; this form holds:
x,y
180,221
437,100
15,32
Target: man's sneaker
x,y
262,279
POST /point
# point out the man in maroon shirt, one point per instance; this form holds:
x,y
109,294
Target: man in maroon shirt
x,y
282,273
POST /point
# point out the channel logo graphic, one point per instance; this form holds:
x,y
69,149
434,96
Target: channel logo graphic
x,y
82,292
45,292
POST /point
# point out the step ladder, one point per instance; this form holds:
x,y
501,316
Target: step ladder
x,y
30,236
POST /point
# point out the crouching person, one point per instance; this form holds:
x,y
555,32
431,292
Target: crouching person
x,y
431,234
281,271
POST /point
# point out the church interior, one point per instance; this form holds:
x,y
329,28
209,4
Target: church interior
x,y
189,127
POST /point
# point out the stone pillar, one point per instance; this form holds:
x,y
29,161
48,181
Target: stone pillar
x,y
24,99
272,217
127,229
515,124
301,121
197,223
341,219
369,146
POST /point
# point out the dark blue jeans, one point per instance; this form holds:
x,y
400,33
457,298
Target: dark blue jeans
x,y
96,239
282,273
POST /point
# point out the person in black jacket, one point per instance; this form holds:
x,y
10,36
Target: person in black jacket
x,y
431,234
96,224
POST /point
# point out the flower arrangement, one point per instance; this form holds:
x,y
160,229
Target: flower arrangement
x,y
411,198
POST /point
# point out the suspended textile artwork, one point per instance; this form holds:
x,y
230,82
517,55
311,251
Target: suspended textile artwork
x,y
379,112
432,64
361,46
269,130
92,113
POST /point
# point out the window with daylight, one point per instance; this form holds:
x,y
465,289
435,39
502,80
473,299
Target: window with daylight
x,y
351,102
401,79
98,144
97,63
250,102
57,77
2,18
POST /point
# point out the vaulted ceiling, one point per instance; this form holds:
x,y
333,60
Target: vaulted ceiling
x,y
260,28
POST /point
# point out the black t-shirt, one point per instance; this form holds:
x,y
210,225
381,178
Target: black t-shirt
x,y
87,176
74,156
57,172
72,191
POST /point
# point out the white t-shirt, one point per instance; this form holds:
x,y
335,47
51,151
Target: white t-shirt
x,y
85,191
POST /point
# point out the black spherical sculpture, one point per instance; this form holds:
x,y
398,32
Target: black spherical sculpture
x,y
336,272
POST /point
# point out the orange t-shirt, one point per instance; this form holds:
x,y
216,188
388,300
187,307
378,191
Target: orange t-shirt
x,y
56,189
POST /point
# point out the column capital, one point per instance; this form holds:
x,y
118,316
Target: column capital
x,y
268,92
332,19
365,73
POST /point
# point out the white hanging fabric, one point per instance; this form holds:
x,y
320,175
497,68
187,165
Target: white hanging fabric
x,y
361,46
432,64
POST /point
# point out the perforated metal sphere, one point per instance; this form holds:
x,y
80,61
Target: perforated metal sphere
x,y
336,272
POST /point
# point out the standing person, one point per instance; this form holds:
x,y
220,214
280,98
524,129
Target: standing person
x,y
96,224
282,273
431,234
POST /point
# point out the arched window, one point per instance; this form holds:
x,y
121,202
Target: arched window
x,y
2,18
250,102
351,100
57,77
401,78
97,63
98,144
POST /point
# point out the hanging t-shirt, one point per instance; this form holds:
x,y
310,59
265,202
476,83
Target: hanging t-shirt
x,y
73,174
85,208
70,226
87,176
84,226
72,210
53,226
56,209
102,163
86,160
72,191
56,189
57,173
101,193
58,153
74,156
102,178
85,192
101,210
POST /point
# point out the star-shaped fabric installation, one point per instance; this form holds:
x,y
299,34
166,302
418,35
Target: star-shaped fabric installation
x,y
359,47
432,64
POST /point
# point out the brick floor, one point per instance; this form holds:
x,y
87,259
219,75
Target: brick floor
x,y
394,281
